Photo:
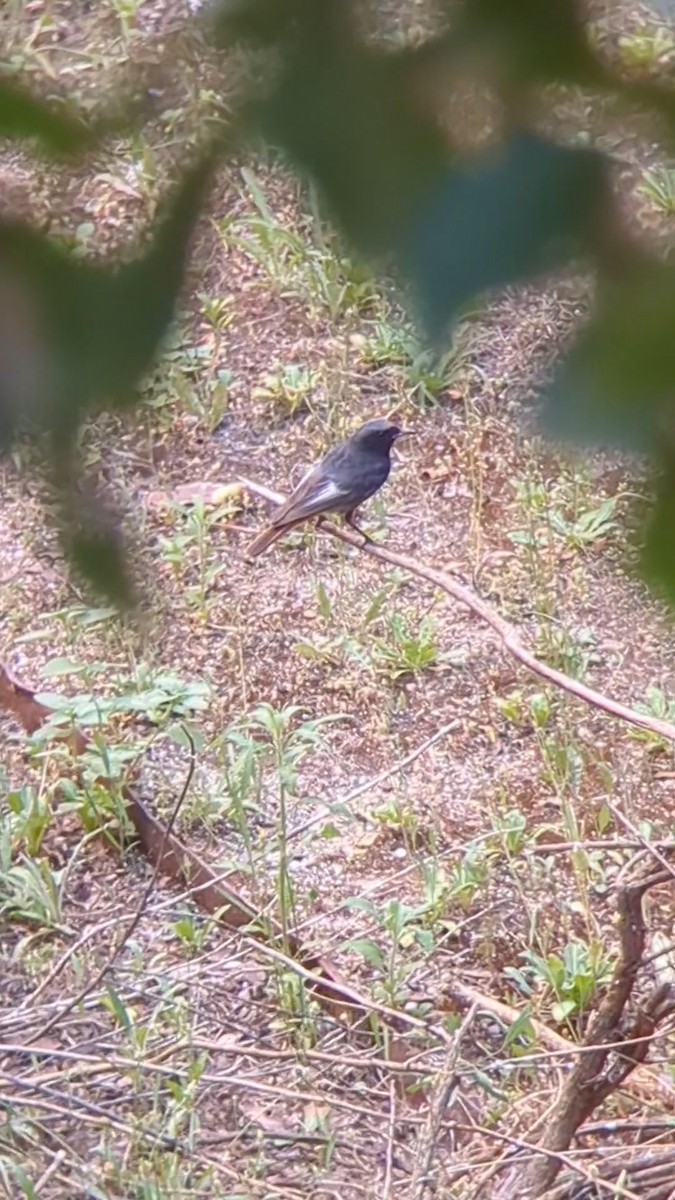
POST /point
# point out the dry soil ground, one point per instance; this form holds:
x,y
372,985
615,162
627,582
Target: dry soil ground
x,y
198,1066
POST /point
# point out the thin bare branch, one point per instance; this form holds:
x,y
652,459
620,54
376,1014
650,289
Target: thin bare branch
x,y
508,636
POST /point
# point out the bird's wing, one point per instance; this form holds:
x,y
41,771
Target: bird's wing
x,y
316,493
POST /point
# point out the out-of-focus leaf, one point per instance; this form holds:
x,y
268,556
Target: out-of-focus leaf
x,y
85,332
658,555
261,21
530,40
75,334
343,114
514,214
91,532
101,559
617,384
24,116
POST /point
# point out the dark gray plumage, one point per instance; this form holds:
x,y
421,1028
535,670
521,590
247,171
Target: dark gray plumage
x,y
347,476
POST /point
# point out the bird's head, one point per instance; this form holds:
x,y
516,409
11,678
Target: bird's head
x,y
378,435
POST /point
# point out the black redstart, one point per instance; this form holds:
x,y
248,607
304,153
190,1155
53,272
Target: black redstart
x,y
346,477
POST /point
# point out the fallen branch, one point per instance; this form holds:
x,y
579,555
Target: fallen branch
x,y
137,917
213,894
506,632
601,1070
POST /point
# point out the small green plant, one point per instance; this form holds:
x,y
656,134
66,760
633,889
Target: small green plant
x,y
193,933
127,11
289,389
658,186
589,527
312,266
218,310
278,250
563,765
155,696
572,652
401,927
30,816
647,49
467,876
386,344
189,547
285,742
657,704
186,376
534,711
401,820
335,648
511,829
31,890
426,376
569,982
406,651
429,376
78,621
338,285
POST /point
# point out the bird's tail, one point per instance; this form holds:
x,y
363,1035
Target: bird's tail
x,y
264,539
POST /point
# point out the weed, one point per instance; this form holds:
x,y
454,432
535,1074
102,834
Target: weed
x,y
402,821
657,704
289,388
190,547
193,932
591,526
569,982
31,890
286,743
30,816
426,376
218,310
467,876
315,271
533,711
400,924
647,49
658,186
405,650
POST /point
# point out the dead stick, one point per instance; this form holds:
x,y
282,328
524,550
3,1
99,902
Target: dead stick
x,y
596,1075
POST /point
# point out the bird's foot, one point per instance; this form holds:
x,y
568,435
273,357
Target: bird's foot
x,y
349,520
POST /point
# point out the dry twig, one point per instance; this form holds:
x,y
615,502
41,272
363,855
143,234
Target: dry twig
x,y
506,632
595,1075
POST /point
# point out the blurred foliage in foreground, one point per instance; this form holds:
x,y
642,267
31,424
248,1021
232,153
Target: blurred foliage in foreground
x,y
371,124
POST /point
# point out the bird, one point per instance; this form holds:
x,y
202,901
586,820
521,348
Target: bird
x,y
339,483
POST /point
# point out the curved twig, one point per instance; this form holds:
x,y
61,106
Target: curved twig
x,y
508,636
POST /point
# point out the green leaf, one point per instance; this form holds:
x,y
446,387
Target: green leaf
x,y
368,950
324,601
562,1010
62,666
254,21
24,116
90,330
532,41
658,555
99,555
348,116
616,385
76,334
511,215
54,700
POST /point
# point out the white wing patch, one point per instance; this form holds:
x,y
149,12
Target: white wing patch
x,y
327,492
315,500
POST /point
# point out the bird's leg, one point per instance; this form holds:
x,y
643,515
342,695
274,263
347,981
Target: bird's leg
x,y
349,520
